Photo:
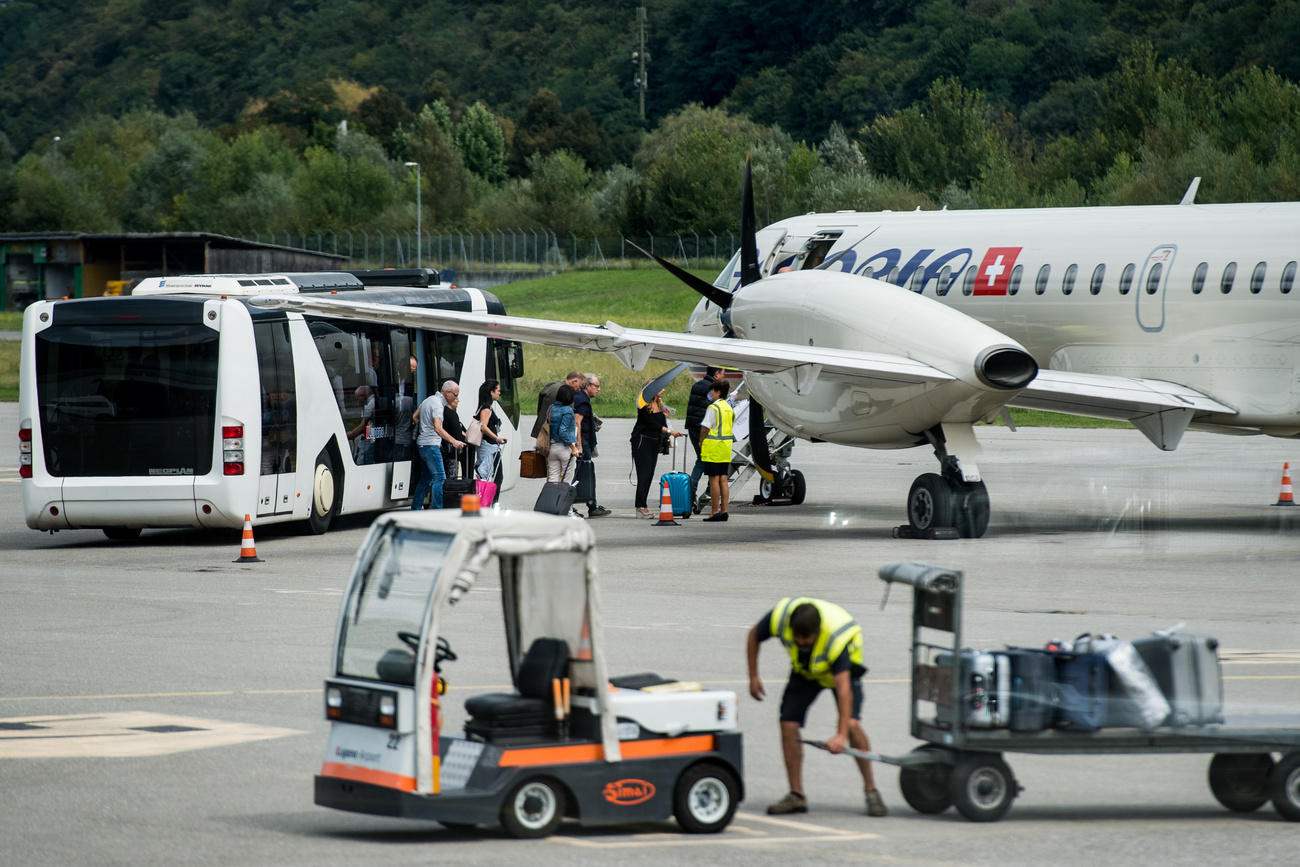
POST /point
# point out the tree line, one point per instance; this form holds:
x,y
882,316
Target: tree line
x,y
334,157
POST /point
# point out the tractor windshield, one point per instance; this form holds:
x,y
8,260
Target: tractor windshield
x,y
384,616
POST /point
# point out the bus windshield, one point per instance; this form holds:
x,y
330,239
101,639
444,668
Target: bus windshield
x,y
127,399
390,597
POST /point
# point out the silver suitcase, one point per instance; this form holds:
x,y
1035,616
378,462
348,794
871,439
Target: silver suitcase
x,y
985,679
1186,667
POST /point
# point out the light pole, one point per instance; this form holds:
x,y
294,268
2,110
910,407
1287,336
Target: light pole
x,y
417,211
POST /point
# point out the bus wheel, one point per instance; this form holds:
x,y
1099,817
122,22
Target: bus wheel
x,y
122,534
322,511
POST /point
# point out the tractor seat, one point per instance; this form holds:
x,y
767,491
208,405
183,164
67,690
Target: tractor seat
x,y
529,711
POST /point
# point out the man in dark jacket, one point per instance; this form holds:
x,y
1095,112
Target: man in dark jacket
x,y
695,409
586,417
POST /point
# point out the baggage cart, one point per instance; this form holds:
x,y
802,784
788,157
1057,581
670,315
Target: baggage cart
x,y
962,765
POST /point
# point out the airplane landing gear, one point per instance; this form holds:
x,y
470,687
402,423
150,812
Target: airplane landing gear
x,y
944,501
786,488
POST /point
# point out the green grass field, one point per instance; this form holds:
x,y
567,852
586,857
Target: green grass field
x,y
639,298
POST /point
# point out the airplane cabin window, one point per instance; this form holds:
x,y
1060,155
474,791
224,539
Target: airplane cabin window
x,y
868,272
917,283
1198,279
945,278
968,284
1040,285
1098,277
1153,278
1288,278
891,277
1229,274
1013,285
1067,282
1126,279
1257,278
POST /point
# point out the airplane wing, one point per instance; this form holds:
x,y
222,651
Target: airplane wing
x,y
1161,410
635,346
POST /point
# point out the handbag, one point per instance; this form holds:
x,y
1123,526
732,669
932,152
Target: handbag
x,y
474,433
487,492
543,446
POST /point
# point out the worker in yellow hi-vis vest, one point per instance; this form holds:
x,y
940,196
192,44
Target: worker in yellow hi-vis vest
x,y
825,646
716,440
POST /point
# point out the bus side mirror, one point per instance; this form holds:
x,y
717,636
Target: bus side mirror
x,y
515,353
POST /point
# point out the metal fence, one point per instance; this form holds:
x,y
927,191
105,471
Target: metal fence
x,y
507,250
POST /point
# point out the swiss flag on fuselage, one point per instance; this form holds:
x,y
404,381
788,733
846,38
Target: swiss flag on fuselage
x,y
995,270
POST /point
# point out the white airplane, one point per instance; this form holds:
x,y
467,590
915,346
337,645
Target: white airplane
x,y
895,330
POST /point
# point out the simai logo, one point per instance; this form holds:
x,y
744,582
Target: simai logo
x,y
626,793
995,270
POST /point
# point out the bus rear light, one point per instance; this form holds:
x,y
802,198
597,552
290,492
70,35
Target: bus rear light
x,y
24,453
232,449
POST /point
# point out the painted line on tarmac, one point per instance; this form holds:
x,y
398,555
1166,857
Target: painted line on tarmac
x,y
126,734
730,837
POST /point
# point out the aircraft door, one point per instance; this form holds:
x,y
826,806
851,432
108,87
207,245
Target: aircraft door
x,y
1150,289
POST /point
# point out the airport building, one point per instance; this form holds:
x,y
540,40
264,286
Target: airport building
x,y
39,265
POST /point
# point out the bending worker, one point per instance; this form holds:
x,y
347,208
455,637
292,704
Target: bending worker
x,y
825,645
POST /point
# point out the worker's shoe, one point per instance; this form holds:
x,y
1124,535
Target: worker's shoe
x,y
793,802
875,805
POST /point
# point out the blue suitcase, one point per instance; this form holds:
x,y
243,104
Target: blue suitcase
x,y
1083,685
679,487
1033,689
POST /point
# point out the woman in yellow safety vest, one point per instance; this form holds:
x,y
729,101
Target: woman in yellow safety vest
x,y
716,440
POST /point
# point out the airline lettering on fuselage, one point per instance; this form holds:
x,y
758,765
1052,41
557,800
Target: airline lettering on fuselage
x,y
882,265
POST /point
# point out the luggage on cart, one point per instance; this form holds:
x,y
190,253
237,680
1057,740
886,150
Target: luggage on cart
x,y
679,486
1134,699
1187,669
985,679
1033,689
1082,684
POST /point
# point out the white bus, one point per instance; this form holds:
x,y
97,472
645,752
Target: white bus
x,y
182,406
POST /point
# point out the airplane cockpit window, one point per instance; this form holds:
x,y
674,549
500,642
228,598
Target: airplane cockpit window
x,y
1067,282
817,249
729,273
1044,274
1257,278
1098,277
1229,274
1288,278
1153,278
1126,279
968,283
1198,279
1013,285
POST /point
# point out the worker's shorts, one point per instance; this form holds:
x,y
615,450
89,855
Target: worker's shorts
x,y
716,468
800,692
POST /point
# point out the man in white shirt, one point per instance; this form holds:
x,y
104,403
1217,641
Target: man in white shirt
x,y
429,441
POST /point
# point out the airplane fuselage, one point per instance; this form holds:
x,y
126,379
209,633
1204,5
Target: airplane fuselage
x,y
1201,295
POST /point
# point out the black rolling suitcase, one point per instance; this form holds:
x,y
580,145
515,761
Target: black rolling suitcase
x,y
454,489
1033,689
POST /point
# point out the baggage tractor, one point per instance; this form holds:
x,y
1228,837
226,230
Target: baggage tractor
x,y
1186,667
986,688
1033,689
1082,683
679,487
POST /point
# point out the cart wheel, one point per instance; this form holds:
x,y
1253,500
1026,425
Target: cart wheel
x,y
983,788
704,799
1284,786
927,787
1239,781
533,808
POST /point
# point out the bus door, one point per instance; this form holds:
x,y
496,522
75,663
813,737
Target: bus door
x,y
403,387
279,440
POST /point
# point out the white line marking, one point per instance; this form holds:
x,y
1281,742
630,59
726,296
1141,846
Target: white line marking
x,y
127,734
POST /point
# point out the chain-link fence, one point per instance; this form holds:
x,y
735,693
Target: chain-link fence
x,y
503,251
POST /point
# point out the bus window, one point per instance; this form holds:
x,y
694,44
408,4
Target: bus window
x,y
451,357
127,398
502,367
404,369
279,402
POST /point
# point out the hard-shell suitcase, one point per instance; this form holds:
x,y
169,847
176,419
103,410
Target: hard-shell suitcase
x,y
556,498
584,478
985,679
679,487
1033,689
1082,681
1186,667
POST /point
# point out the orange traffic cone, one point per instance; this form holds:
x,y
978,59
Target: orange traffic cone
x,y
1284,498
247,550
584,643
665,507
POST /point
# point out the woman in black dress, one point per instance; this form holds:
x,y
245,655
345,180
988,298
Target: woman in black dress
x,y
649,434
